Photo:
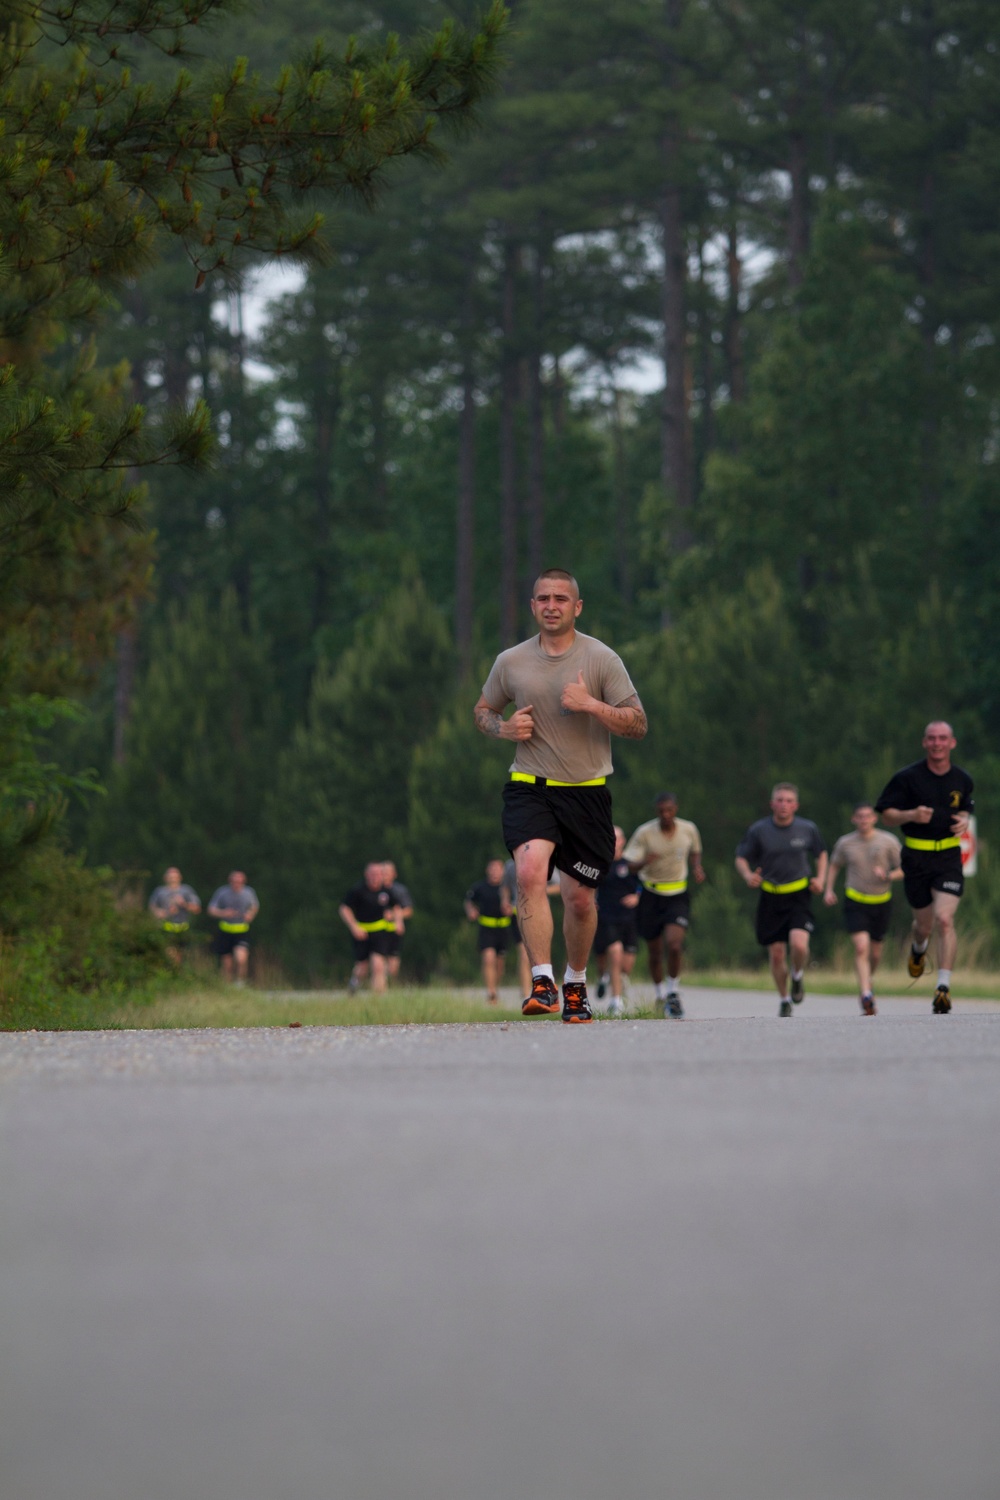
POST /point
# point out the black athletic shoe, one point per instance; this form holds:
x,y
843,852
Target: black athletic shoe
x,y
916,963
785,1008
867,1005
797,990
602,986
543,1000
576,1006
674,1008
941,1004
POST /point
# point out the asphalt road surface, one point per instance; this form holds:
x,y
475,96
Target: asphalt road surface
x,y
728,1259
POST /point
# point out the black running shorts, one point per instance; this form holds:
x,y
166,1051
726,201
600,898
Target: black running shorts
x,y
777,916
866,916
657,912
496,938
223,943
623,931
372,942
577,819
393,944
925,873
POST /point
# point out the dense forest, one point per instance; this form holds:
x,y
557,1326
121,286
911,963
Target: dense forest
x,y
703,305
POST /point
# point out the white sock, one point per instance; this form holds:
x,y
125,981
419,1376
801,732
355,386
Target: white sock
x,y
575,976
921,947
944,977
661,991
671,986
798,973
542,971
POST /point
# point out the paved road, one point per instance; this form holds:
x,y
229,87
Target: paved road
x,y
734,1259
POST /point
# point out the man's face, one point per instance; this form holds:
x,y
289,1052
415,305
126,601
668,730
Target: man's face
x,y
784,806
667,810
172,876
388,872
938,741
619,842
373,877
864,819
555,605
494,871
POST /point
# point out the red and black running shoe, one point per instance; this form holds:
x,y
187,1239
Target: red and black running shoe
x,y
576,1006
543,1000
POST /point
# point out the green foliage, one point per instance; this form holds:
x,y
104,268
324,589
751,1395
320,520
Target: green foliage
x,y
66,947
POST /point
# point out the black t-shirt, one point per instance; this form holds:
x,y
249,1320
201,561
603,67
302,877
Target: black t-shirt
x,y
919,786
366,904
486,898
618,883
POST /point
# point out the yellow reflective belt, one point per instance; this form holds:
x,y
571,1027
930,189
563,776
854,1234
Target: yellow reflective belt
x,y
379,926
547,780
784,890
175,926
933,845
666,887
494,921
868,900
234,926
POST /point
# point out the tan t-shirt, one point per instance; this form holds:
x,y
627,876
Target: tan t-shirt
x,y
670,851
860,856
565,746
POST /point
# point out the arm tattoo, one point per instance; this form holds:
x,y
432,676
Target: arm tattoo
x,y
627,719
488,721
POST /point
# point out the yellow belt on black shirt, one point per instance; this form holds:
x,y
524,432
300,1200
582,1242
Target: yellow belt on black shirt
x,y
933,845
784,890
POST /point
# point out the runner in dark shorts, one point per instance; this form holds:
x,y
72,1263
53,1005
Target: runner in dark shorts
x,y
871,857
487,904
369,916
234,906
930,803
173,904
571,693
774,858
666,854
400,898
616,941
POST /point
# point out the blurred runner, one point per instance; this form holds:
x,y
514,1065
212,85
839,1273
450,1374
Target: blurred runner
x,y
871,857
173,904
616,941
370,917
487,904
665,852
930,803
234,906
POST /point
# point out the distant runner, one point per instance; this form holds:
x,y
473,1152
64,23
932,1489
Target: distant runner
x,y
402,901
234,906
487,904
773,858
571,693
616,941
173,904
930,803
871,857
661,852
368,914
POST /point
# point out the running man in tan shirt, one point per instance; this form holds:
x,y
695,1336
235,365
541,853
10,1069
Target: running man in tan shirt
x,y
872,859
571,693
661,852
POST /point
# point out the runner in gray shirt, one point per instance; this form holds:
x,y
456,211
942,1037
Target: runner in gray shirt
x,y
234,906
774,857
173,904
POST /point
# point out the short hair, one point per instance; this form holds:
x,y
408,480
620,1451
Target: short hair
x,y
785,786
562,573
665,797
865,802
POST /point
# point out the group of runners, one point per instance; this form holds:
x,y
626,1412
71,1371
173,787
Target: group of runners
x,y
232,907
570,693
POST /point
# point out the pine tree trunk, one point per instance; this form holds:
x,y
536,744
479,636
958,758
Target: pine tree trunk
x,y
623,516
465,540
508,449
125,663
536,426
675,420
326,418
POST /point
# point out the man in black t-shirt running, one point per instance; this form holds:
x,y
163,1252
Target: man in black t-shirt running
x,y
616,941
930,803
488,905
370,917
